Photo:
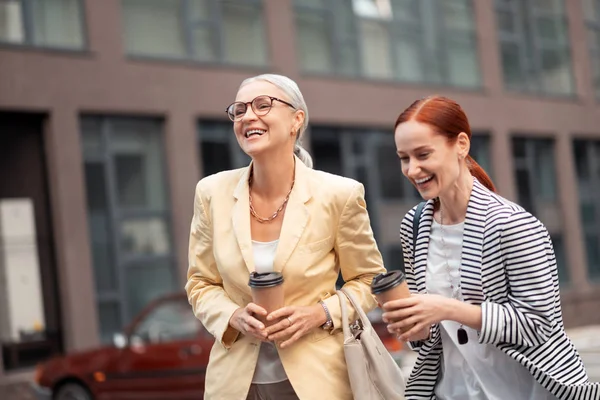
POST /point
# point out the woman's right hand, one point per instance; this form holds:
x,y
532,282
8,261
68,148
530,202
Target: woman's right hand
x,y
243,321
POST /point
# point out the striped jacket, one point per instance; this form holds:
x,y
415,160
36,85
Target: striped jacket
x,y
507,267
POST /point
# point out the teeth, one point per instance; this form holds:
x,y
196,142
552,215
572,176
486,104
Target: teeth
x,y
254,132
419,181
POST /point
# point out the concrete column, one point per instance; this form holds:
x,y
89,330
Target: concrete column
x,y
488,46
281,32
503,163
580,53
566,177
108,44
69,211
183,174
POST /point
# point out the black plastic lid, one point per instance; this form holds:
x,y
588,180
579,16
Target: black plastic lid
x,y
387,281
265,280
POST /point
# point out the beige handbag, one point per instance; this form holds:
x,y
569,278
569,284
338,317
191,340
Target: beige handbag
x,y
373,373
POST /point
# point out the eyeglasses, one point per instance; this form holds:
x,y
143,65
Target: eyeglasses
x,y
261,105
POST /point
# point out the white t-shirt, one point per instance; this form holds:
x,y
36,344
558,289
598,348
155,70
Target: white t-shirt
x,y
471,371
268,368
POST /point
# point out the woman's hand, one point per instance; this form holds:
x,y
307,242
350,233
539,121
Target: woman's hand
x,y
243,320
415,315
294,322
421,335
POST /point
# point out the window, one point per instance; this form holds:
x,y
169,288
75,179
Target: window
x,y
587,154
425,41
170,320
219,149
535,46
369,156
326,150
591,11
42,23
221,31
537,193
129,216
536,177
480,151
362,153
327,36
394,259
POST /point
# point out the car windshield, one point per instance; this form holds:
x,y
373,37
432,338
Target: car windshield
x,y
170,320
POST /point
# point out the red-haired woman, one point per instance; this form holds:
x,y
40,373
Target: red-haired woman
x,y
485,310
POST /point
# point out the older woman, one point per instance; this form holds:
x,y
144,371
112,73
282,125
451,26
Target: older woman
x,y
278,215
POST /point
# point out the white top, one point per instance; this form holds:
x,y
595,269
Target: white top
x,y
471,371
268,368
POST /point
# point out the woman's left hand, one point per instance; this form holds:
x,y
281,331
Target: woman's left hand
x,y
294,323
419,311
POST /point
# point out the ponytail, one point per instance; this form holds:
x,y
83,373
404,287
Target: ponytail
x,y
480,174
303,155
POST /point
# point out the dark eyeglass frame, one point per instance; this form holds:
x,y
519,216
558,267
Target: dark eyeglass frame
x,y
259,112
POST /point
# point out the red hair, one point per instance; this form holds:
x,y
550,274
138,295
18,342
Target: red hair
x,y
447,118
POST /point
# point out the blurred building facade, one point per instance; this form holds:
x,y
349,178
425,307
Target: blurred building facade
x,y
112,110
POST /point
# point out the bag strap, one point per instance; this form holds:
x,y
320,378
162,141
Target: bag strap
x,y
416,221
343,295
345,322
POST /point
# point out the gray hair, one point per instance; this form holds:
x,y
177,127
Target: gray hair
x,y
291,89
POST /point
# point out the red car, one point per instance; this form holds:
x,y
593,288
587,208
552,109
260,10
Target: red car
x,y
163,354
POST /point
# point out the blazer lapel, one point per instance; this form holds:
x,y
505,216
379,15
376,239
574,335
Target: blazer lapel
x,y
240,219
472,250
422,246
295,218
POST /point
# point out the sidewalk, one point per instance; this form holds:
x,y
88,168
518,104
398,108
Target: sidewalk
x,y
16,386
587,342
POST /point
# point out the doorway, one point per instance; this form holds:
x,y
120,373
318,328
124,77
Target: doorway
x,y
24,190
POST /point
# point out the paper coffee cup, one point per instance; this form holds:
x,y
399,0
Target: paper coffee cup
x,y
390,286
267,292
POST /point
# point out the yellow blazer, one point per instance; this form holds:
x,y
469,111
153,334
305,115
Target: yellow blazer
x,y
326,229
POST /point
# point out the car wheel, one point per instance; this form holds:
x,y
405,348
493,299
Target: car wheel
x,y
72,391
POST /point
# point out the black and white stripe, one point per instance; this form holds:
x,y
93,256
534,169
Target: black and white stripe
x,y
507,267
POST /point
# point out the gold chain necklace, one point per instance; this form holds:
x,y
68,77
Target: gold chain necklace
x,y
276,213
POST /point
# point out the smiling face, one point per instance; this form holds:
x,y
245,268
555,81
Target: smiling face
x,y
429,160
275,131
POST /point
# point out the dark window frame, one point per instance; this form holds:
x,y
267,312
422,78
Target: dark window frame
x,y
527,163
590,196
220,132
117,214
